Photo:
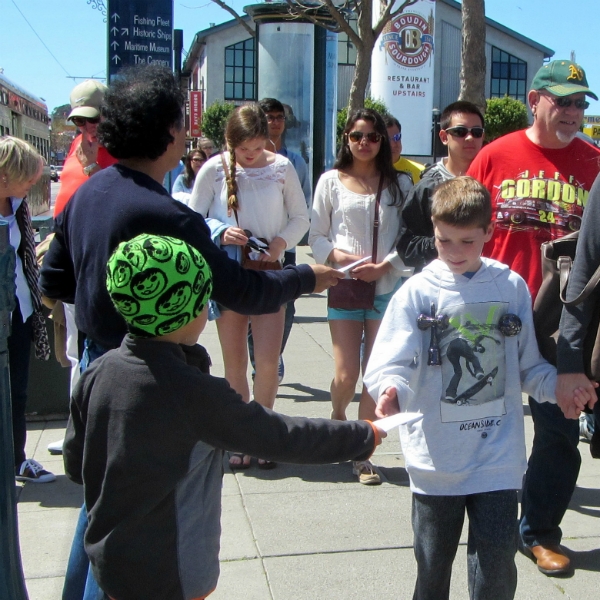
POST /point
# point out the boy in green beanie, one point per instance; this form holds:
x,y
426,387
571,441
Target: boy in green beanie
x,y
149,425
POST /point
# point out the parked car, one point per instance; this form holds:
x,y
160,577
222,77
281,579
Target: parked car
x,y
55,173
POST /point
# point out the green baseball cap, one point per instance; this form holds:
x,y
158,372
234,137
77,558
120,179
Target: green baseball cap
x,y
562,78
157,283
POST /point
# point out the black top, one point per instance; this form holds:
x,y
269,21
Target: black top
x,y
119,203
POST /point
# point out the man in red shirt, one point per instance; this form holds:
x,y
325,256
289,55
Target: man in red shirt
x,y
539,180
86,156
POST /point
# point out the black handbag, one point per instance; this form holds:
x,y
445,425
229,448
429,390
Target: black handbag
x,y
355,294
557,261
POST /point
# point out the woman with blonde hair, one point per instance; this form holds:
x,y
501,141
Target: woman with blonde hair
x,y
250,193
20,168
362,185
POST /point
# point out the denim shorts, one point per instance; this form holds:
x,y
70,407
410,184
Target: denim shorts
x,y
362,314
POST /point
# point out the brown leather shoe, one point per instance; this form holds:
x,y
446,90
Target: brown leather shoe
x,y
551,560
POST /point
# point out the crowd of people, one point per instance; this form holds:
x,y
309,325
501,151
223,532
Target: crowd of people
x,y
442,324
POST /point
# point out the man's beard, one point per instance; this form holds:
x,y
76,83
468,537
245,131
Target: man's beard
x,y
566,138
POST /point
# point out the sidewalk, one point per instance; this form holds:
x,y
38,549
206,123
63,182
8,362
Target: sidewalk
x,y
300,532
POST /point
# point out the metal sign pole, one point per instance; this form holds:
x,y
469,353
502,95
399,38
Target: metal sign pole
x,y
12,582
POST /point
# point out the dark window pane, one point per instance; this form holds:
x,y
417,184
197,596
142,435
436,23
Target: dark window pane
x,y
228,73
249,75
514,71
512,88
523,71
495,86
496,70
503,87
239,74
228,57
504,71
521,88
238,91
249,95
495,54
249,58
229,91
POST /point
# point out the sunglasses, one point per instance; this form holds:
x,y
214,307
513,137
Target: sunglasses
x,y
81,121
460,131
565,102
357,136
396,137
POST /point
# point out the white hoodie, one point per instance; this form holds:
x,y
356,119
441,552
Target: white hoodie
x,y
471,438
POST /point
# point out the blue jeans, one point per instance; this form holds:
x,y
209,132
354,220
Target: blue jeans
x,y
19,348
79,580
551,475
491,547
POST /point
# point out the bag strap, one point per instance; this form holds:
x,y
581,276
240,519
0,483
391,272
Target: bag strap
x,y
564,264
376,219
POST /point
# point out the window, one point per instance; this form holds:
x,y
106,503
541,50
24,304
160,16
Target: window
x,y
240,71
509,76
346,49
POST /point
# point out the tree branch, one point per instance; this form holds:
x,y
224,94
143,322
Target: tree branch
x,y
388,15
237,17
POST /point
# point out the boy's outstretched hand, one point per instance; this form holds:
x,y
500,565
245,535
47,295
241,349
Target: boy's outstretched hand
x,y
387,404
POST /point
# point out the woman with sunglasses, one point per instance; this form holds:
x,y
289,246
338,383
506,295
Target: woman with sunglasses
x,y
86,156
251,191
341,233
184,184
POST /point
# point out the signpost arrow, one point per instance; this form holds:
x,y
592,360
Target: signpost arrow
x,y
116,58
114,30
114,17
124,30
114,45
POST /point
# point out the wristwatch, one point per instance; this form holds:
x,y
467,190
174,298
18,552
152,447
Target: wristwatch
x,y
88,170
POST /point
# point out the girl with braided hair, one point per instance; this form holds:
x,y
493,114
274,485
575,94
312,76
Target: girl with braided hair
x,y
250,191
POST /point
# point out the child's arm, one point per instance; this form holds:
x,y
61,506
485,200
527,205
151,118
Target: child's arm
x,y
574,391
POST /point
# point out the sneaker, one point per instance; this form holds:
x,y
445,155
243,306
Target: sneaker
x,y
367,475
586,427
32,471
56,447
281,368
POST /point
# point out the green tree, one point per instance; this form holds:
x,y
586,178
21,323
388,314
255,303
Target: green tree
x,y
342,116
214,120
504,115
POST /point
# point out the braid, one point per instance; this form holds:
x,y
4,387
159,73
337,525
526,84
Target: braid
x,y
232,188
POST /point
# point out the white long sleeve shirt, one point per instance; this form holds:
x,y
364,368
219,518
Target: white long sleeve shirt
x,y
471,437
271,201
343,220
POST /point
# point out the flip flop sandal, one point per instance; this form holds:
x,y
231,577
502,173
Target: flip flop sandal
x,y
241,466
266,464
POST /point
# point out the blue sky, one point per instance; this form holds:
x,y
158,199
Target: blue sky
x,y
74,37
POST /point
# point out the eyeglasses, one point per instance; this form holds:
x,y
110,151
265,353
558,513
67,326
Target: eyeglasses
x,y
81,121
357,136
460,131
198,159
275,118
565,102
396,137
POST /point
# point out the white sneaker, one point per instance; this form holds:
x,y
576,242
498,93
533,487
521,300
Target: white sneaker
x,y
56,447
367,475
32,471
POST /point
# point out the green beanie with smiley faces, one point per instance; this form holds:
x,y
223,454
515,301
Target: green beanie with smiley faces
x,y
157,283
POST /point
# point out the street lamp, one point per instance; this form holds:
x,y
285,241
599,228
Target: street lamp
x,y
434,132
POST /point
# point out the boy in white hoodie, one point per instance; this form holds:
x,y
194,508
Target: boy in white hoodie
x,y
468,450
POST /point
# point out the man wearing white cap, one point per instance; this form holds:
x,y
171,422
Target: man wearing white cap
x,y
86,156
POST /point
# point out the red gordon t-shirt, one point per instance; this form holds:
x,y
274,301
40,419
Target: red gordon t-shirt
x,y
538,194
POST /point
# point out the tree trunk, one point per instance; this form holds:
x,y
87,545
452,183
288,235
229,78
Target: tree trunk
x,y
363,57
472,70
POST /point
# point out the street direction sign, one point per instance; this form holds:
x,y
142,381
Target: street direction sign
x,y
139,32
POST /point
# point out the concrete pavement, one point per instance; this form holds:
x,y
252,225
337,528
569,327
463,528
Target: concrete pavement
x,y
307,533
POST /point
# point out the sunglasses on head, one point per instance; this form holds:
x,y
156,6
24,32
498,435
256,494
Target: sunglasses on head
x,y
357,136
460,131
396,137
81,121
565,102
